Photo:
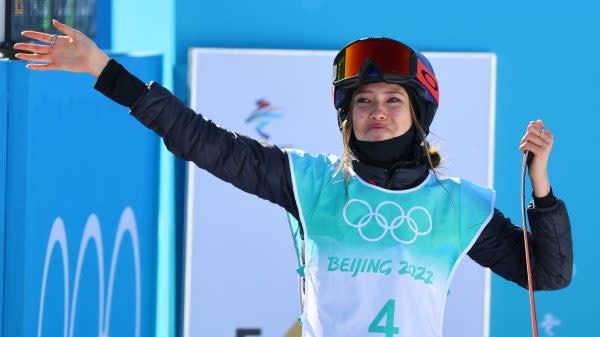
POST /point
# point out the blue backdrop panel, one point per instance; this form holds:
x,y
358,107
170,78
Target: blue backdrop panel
x,y
81,208
3,106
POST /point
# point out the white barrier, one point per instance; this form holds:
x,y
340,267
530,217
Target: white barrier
x,y
240,259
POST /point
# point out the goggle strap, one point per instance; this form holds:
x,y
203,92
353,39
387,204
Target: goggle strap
x,y
428,80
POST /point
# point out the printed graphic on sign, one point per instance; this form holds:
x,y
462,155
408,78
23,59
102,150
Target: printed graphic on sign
x,y
91,232
262,116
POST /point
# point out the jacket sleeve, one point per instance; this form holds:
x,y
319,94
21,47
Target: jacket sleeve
x,y
255,167
500,247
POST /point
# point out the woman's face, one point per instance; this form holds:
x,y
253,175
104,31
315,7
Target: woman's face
x,y
380,111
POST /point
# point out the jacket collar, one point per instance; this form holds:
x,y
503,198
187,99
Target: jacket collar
x,y
401,176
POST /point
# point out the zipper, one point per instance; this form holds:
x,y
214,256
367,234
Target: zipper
x,y
389,175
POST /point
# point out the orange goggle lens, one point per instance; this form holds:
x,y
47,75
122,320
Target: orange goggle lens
x,y
392,58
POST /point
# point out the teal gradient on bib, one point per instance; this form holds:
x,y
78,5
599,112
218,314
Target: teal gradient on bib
x,y
365,244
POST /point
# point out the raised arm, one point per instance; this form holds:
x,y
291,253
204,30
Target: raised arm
x,y
501,245
255,167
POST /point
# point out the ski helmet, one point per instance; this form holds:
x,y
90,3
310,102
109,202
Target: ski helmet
x,y
385,60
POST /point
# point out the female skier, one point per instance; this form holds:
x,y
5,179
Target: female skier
x,y
381,231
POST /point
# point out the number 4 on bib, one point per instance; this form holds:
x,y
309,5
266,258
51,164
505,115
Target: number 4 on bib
x,y
386,312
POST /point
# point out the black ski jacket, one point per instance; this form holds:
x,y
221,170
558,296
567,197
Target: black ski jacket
x,y
263,170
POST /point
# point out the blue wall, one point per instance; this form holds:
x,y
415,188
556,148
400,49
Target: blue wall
x,y
141,26
103,20
3,132
71,153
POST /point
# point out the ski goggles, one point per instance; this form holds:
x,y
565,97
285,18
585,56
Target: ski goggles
x,y
393,60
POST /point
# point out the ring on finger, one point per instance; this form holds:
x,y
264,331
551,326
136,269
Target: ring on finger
x,y
52,42
541,132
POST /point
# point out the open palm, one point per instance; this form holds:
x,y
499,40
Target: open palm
x,y
72,52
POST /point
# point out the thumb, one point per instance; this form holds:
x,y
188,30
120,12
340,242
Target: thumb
x,y
64,28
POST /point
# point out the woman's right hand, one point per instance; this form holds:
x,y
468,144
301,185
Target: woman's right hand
x,y
72,52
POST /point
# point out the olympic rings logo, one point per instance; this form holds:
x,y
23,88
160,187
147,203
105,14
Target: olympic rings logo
x,y
92,232
387,226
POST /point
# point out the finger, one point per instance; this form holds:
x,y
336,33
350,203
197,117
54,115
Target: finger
x,y
47,66
34,57
539,126
534,127
37,36
64,28
536,139
539,121
548,135
523,147
32,47
535,149
538,133
534,131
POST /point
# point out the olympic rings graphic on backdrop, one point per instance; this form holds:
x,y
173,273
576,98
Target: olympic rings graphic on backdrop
x,y
92,232
383,222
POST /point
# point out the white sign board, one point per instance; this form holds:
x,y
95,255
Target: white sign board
x,y
240,258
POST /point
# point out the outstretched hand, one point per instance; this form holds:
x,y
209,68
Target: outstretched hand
x,y
72,52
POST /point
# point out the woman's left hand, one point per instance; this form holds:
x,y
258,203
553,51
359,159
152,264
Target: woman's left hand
x,y
72,52
538,140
